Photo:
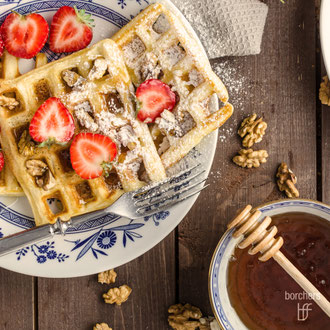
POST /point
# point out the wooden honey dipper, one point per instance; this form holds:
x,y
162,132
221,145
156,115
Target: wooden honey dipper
x,y
255,233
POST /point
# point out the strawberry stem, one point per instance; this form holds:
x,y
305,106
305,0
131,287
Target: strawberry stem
x,y
107,167
85,18
49,142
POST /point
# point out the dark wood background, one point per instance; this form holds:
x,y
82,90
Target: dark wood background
x,y
281,84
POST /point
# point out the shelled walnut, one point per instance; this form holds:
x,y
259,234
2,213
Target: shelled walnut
x,y
252,130
108,276
249,158
9,102
42,174
186,317
117,295
286,181
25,144
324,92
101,326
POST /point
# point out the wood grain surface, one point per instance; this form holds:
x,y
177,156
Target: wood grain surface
x,y
281,85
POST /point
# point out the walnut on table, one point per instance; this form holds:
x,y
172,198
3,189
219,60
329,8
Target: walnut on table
x,y
324,92
186,317
286,181
101,326
252,130
249,158
108,277
117,295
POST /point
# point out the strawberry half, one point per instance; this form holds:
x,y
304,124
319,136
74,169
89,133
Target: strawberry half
x,y
2,45
2,161
71,30
52,122
24,36
90,152
153,97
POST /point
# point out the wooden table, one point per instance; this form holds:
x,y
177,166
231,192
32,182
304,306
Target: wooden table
x,y
281,84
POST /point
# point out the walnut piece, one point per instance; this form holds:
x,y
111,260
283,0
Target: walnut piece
x,y
108,276
72,78
25,144
36,167
98,70
324,92
47,181
252,130
186,317
286,181
43,176
249,158
117,295
101,326
8,102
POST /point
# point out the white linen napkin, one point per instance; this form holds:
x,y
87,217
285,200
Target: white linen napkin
x,y
226,27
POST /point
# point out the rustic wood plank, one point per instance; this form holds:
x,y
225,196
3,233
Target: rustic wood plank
x,y
77,303
16,301
279,85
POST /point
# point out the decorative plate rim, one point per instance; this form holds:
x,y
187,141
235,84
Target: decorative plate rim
x,y
46,252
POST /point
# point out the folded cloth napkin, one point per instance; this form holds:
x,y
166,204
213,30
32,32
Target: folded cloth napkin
x,y
226,27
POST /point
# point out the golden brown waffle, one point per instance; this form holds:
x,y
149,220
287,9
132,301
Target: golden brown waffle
x,y
9,70
95,87
157,46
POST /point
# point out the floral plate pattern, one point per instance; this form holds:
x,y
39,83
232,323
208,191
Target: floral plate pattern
x,y
108,241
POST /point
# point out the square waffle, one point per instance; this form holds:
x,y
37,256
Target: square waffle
x,y
95,87
156,45
9,70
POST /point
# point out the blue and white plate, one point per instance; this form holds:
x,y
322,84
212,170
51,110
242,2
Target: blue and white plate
x,y
218,275
105,242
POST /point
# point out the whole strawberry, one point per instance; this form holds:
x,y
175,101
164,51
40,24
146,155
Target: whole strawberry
x,y
71,30
24,36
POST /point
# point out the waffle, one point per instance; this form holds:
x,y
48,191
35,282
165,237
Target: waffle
x,y
9,70
95,87
156,45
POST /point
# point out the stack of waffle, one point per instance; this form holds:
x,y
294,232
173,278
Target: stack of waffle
x,y
97,86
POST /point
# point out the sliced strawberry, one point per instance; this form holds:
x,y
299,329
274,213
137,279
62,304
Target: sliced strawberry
x,y
52,121
89,152
2,45
71,30
153,98
24,36
2,161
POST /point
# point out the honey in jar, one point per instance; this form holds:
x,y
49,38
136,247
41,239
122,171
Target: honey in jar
x,y
265,296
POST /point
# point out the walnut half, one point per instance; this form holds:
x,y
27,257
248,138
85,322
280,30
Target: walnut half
x,y
108,277
249,158
101,326
252,130
186,317
42,174
117,295
324,92
286,181
9,102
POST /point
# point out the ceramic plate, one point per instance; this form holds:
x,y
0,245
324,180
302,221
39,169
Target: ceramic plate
x,y
324,33
105,242
220,302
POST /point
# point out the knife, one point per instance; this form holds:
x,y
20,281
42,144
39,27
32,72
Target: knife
x,y
34,235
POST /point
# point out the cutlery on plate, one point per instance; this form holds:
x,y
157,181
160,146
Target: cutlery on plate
x,y
135,204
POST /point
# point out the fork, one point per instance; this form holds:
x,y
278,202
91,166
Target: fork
x,y
136,204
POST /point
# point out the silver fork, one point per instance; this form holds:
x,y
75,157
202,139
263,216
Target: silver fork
x,y
136,204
